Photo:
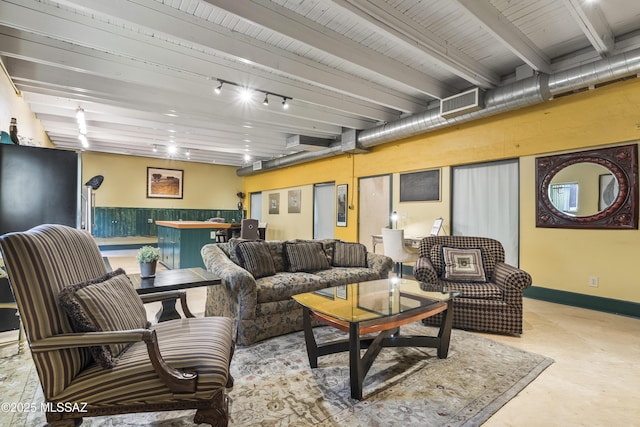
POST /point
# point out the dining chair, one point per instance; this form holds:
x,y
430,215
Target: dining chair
x,y
394,248
249,229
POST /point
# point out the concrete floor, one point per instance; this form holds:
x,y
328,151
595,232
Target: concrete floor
x,y
595,380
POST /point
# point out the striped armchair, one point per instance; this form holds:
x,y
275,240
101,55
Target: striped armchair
x,y
491,291
179,364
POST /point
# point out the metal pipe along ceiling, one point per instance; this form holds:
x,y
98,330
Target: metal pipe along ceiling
x,y
530,91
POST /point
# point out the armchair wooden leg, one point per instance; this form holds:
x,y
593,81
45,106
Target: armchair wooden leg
x,y
217,415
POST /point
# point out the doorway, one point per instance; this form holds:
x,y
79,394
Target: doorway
x,y
375,208
256,206
486,203
324,208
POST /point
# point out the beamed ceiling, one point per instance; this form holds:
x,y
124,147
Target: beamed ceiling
x,y
144,71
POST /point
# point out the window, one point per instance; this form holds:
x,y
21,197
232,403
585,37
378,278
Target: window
x,y
564,196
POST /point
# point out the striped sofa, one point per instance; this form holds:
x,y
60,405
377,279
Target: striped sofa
x,y
179,364
491,291
257,295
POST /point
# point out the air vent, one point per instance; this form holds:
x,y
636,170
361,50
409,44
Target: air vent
x,y
462,103
257,165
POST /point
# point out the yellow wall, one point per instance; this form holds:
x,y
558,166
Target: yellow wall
x,y
560,259
125,182
288,225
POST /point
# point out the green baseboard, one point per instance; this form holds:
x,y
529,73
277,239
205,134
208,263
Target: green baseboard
x,y
607,305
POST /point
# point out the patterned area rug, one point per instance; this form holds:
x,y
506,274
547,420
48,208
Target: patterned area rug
x,y
274,385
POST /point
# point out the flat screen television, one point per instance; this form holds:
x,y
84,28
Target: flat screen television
x,y
37,186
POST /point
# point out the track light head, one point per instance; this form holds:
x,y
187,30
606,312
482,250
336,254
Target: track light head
x,y
219,88
285,104
266,99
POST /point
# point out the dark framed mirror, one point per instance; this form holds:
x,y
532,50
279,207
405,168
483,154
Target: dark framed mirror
x,y
588,189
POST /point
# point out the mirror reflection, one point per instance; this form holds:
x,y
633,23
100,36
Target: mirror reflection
x,y
583,189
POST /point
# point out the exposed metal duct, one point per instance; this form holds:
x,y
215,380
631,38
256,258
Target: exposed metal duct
x,y
530,91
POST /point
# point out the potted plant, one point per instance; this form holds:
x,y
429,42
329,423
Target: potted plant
x,y
148,257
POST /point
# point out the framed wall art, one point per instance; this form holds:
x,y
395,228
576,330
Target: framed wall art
x,y
164,183
274,203
341,205
294,201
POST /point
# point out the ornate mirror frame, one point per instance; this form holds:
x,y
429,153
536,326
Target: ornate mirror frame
x,y
622,161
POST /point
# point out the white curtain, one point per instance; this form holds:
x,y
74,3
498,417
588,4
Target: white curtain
x,y
485,200
256,206
324,211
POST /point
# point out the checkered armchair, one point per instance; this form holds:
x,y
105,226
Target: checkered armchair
x,y
491,291
94,350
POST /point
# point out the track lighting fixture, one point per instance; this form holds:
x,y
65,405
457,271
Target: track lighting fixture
x,y
82,124
82,127
83,140
246,92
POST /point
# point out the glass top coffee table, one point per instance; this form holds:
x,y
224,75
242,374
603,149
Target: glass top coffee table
x,y
378,306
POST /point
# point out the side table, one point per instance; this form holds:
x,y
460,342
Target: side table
x,y
172,280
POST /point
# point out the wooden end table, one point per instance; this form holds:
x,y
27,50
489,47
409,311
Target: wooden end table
x,y
172,280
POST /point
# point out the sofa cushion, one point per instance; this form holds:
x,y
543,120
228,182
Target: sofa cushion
x,y
255,257
349,254
308,256
480,291
284,285
463,265
346,275
108,303
277,254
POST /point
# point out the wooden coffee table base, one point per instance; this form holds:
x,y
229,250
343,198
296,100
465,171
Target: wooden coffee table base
x,y
389,336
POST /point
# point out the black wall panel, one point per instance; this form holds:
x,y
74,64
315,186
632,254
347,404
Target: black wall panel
x,y
37,186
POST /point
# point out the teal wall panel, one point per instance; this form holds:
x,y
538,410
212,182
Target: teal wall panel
x,y
124,222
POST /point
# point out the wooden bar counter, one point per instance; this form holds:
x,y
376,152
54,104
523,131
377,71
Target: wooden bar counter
x,y
180,241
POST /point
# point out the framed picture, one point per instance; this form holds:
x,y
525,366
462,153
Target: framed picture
x,y
164,183
274,203
294,201
608,191
421,186
341,206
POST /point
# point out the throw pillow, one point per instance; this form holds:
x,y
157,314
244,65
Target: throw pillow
x,y
255,257
305,257
349,254
463,265
108,303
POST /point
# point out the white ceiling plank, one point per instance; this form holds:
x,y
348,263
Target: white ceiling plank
x,y
120,46
507,33
285,22
156,16
137,74
393,22
594,25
